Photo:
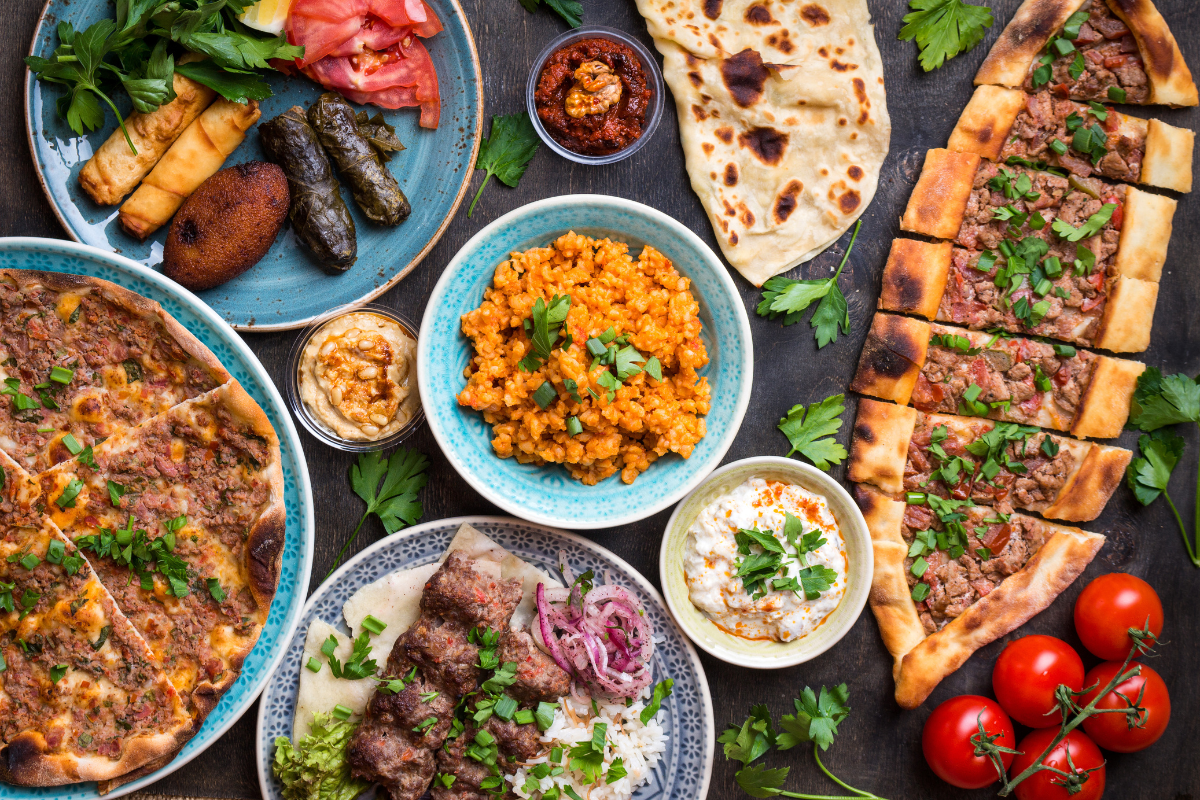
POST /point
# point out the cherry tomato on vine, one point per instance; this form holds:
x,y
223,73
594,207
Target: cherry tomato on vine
x,y
1027,673
1111,731
948,746
1109,606
1046,785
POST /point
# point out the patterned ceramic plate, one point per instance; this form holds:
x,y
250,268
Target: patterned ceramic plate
x,y
548,494
286,289
57,256
687,718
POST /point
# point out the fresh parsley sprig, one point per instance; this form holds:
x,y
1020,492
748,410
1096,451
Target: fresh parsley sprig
x,y
1158,402
944,28
570,10
810,430
816,720
789,298
394,500
506,152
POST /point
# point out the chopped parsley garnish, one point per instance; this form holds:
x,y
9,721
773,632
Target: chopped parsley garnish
x,y
544,715
215,590
69,493
87,458
57,672
359,665
1089,228
115,492
143,556
662,690
544,327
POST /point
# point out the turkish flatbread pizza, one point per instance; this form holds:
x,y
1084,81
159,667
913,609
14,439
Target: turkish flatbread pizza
x,y
82,359
782,117
1019,287
951,577
1119,51
908,453
955,371
183,519
82,698
1081,138
979,204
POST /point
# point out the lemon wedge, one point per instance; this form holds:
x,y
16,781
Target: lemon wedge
x,y
268,16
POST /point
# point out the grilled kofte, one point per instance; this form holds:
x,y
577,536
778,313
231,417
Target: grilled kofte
x,y
439,656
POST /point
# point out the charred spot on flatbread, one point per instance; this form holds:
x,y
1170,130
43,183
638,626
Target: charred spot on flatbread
x,y
849,201
695,78
747,216
785,202
745,75
725,134
712,8
855,172
780,41
759,14
860,92
840,67
766,143
699,113
815,15
731,174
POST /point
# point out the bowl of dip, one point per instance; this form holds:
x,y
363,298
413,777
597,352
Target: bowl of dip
x,y
803,551
595,95
353,378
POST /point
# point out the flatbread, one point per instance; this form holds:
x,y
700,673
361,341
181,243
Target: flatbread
x,y
917,280
880,455
921,661
985,125
320,691
898,359
783,120
1036,21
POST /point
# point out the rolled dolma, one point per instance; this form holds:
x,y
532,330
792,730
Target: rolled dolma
x,y
374,188
317,211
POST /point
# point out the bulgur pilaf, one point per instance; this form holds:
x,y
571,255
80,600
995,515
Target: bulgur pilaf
x,y
647,418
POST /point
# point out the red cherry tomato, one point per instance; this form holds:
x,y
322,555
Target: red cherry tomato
x,y
947,743
1045,785
1109,607
1111,731
1027,673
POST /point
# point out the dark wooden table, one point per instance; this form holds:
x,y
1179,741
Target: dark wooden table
x,y
879,745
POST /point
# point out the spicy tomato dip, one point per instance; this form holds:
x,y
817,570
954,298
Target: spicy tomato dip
x,y
612,126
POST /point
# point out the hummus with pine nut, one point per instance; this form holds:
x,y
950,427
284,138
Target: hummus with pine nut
x,y
358,376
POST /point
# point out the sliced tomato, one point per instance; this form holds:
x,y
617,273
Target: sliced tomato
x,y
375,35
926,394
398,12
1113,62
396,78
1032,404
1118,216
321,26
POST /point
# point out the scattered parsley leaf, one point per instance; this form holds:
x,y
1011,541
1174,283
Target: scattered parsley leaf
x,y
546,321
570,10
806,427
790,298
395,500
507,151
662,690
944,28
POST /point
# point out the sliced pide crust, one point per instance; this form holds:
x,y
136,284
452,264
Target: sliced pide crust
x,y
896,353
984,126
936,205
167,468
921,661
915,280
1036,21
84,698
939,202
879,455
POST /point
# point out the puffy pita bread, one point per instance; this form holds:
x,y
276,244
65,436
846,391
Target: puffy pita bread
x,y
783,120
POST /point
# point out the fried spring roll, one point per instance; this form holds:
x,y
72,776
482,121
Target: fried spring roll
x,y
194,158
114,170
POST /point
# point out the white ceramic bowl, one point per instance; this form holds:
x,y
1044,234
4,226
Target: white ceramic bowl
x,y
766,654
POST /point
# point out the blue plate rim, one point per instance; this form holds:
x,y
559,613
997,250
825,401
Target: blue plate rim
x,y
460,261
436,237
574,538
308,519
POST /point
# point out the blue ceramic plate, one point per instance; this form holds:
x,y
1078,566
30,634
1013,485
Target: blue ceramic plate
x,y
55,256
548,494
287,288
687,715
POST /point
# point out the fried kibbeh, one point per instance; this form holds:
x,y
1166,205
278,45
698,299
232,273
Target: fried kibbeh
x,y
227,225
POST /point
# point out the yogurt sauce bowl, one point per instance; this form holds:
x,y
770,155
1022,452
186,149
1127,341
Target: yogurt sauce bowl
x,y
779,628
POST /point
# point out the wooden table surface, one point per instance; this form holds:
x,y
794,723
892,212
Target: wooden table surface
x,y
879,745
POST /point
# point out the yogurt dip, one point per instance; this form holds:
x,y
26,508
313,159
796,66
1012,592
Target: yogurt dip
x,y
713,555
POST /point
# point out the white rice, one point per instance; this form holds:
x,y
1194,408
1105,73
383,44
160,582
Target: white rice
x,y
638,746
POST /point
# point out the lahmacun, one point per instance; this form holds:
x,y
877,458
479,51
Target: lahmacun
x,y
644,309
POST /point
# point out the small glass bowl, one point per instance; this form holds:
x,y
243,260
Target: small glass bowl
x,y
653,76
302,412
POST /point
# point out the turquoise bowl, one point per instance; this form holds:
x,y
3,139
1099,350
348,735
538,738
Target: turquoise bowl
x,y
547,494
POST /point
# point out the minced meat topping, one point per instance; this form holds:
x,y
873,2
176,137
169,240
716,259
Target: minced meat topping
x,y
1047,130
959,553
1094,57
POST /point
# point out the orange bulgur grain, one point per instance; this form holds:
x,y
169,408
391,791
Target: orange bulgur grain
x,y
647,299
